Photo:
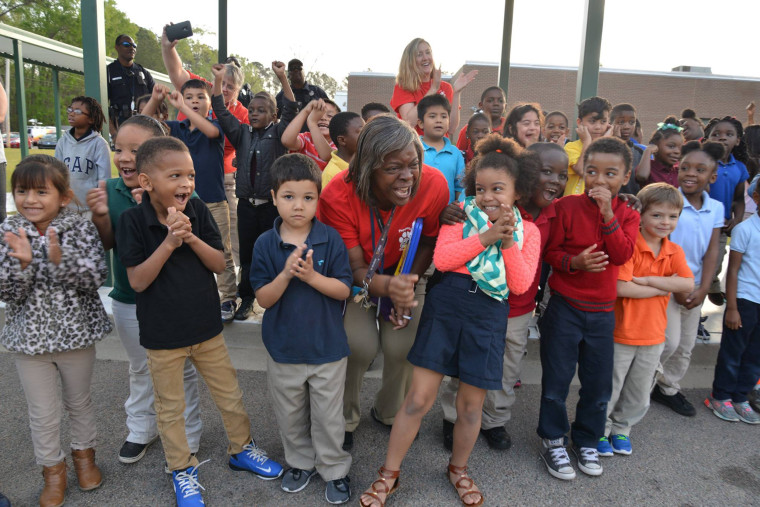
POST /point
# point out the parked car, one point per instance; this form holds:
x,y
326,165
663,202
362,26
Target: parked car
x,y
15,140
47,142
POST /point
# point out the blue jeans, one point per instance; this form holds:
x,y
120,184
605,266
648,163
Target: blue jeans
x,y
738,366
568,337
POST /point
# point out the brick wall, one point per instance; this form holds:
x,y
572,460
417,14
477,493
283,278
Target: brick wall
x,y
655,94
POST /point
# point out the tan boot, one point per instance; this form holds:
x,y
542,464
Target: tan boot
x,y
54,492
88,473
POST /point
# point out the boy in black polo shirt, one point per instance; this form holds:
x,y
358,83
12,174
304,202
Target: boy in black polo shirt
x,y
205,140
301,275
171,249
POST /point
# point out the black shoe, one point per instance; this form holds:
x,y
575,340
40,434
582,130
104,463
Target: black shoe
x,y
448,435
677,403
497,438
246,308
131,452
377,419
348,441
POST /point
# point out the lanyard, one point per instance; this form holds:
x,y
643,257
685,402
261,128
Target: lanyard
x,y
377,257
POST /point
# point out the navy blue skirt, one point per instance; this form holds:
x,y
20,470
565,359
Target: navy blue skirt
x,y
462,332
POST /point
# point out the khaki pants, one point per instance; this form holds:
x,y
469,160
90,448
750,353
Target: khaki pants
x,y
365,341
632,383
212,361
680,337
39,377
497,407
227,281
307,404
229,190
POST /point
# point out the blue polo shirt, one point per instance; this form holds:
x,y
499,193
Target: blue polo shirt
x,y
208,159
304,326
745,238
729,175
694,229
450,162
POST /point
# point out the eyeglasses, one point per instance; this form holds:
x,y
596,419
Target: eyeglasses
x,y
129,44
76,111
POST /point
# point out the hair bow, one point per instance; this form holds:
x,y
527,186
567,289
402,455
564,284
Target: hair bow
x,y
667,126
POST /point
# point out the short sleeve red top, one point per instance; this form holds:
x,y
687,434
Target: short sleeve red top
x,y
463,143
340,207
239,111
401,96
310,150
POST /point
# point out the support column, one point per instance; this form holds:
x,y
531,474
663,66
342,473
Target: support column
x,y
591,45
506,45
94,54
18,68
222,31
57,104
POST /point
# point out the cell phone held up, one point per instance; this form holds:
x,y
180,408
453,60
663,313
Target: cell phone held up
x,y
179,31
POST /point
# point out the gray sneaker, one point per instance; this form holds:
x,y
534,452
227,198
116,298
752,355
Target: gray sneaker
x,y
556,459
338,491
295,479
746,414
228,311
588,460
723,409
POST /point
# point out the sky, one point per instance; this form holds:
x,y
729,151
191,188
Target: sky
x,y
356,36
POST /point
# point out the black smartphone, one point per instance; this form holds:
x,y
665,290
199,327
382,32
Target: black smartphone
x,y
179,31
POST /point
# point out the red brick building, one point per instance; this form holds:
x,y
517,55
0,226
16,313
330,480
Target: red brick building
x,y
655,94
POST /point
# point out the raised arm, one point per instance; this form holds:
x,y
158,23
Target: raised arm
x,y
312,121
97,201
461,82
279,70
177,73
201,123
290,138
156,97
644,169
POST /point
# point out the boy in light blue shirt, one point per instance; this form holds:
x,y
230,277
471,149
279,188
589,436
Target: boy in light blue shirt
x,y
433,112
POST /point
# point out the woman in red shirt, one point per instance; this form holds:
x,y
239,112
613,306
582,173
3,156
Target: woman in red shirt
x,y
384,190
418,77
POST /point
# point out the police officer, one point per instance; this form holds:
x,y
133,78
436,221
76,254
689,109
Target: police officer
x,y
304,92
127,81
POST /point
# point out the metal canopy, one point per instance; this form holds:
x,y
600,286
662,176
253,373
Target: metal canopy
x,y
50,53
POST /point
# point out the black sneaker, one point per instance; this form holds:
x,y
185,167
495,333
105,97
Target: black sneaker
x,y
131,452
245,309
228,311
677,402
556,459
588,460
338,491
295,479
348,441
497,438
448,435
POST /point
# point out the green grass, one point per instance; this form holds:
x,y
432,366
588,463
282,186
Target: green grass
x,y
14,157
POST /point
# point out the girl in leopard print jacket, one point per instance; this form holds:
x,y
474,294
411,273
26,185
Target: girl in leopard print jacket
x,y
51,265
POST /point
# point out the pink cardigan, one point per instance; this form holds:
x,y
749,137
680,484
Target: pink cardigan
x,y
452,253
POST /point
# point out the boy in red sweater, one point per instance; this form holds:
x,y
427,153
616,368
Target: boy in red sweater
x,y
592,235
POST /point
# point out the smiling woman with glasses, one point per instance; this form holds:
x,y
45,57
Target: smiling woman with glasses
x,y
127,81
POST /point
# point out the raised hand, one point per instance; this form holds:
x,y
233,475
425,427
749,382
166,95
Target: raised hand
x,y
165,42
583,134
436,84
317,110
218,70
171,218
279,68
176,100
603,198
20,247
97,199
610,130
463,80
591,261
137,194
159,92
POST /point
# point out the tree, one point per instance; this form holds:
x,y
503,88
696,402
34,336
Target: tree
x,y
328,84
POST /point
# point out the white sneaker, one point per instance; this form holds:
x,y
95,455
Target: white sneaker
x,y
588,460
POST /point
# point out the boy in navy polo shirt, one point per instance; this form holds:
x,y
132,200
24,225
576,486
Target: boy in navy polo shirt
x,y
301,275
171,248
205,140
433,112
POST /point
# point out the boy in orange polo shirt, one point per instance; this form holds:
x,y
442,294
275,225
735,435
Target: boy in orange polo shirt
x,y
657,268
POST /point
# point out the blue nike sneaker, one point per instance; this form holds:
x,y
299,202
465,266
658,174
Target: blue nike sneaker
x,y
187,488
604,448
621,444
253,459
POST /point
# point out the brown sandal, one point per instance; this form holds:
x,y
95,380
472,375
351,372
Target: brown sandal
x,y
464,483
375,492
